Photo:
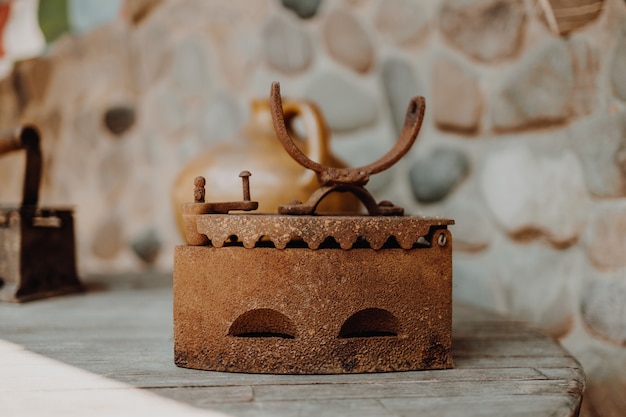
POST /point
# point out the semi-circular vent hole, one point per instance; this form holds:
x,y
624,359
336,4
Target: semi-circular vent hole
x,y
263,322
371,322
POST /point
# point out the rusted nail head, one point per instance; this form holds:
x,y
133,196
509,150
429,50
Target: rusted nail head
x,y
245,174
199,182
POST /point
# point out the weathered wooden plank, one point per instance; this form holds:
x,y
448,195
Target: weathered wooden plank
x,y
498,330
494,406
562,373
131,365
326,408
536,347
418,390
462,313
471,362
510,406
466,353
124,331
207,397
208,379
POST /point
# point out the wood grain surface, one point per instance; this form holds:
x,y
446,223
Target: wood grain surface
x,y
121,329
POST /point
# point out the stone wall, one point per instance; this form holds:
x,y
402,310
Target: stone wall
x,y
524,142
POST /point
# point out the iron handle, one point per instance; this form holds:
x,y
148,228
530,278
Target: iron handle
x,y
27,139
360,175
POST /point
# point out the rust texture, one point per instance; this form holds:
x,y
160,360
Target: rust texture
x,y
304,293
302,311
37,248
346,231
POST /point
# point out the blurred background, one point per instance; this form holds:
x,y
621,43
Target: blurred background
x,y
524,141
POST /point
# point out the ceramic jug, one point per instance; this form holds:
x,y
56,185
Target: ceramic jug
x,y
276,178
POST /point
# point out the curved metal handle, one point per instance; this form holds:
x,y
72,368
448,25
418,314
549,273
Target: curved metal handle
x,y
358,176
27,139
316,137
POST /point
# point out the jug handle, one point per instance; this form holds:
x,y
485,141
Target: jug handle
x,y
316,133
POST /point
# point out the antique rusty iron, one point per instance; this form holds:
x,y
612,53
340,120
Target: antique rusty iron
x,y
298,292
37,251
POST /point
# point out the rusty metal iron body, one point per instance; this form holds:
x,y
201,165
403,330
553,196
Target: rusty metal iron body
x,y
303,293
37,249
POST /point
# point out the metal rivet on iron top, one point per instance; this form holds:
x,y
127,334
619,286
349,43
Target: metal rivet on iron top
x,y
441,240
245,183
199,192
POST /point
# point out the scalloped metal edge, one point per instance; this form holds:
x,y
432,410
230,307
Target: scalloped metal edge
x,y
313,230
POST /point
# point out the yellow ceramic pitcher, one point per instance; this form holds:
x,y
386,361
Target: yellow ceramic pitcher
x,y
276,178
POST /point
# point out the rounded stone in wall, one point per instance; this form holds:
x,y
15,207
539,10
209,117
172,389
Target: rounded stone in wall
x,y
147,245
604,309
600,144
472,284
533,195
114,173
108,238
221,118
305,9
606,235
138,10
487,30
32,78
401,85
620,158
434,176
537,91
118,119
344,102
457,98
618,65
86,15
191,68
539,282
473,228
287,45
9,102
565,16
362,147
586,62
150,64
402,21
347,41
166,110
87,126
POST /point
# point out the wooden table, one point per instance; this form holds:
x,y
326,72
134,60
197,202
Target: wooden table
x,y
118,340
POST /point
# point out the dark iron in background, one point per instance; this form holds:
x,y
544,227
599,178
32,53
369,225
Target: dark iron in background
x,y
37,248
